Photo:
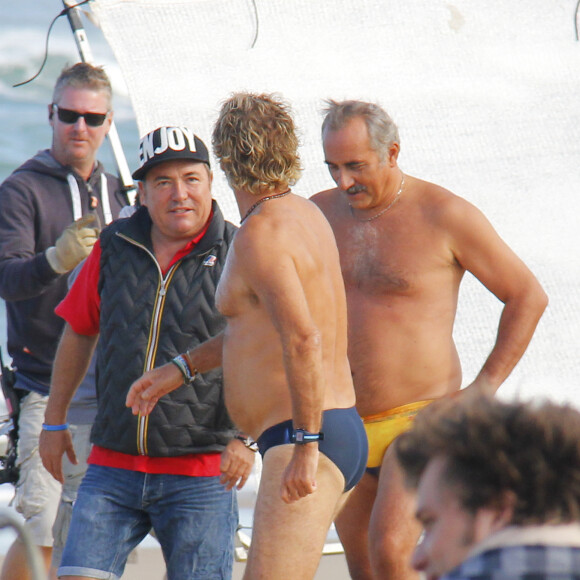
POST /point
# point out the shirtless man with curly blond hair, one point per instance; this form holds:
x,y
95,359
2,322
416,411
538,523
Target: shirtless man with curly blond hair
x,y
287,377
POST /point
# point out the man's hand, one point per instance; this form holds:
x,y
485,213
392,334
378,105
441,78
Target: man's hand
x,y
146,391
236,464
74,244
299,478
480,386
52,445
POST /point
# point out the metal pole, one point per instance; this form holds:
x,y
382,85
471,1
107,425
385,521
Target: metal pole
x,y
75,21
9,519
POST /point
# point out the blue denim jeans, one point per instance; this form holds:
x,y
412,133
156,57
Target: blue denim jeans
x,y
194,519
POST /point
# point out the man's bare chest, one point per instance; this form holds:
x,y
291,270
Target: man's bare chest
x,y
379,261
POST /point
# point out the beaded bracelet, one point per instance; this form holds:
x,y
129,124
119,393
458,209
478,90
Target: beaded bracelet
x,y
62,427
182,365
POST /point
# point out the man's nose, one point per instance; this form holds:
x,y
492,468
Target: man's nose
x,y
80,124
179,190
344,179
419,558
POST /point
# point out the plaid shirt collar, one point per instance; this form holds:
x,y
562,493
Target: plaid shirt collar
x,y
521,553
548,535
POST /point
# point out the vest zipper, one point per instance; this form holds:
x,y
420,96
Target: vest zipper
x,y
153,342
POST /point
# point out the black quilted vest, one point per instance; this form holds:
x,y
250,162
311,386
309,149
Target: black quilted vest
x,y
145,321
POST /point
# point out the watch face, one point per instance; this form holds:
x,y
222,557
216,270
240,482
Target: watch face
x,y
302,436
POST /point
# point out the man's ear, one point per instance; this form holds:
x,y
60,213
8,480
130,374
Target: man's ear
x,y
505,508
109,121
394,154
494,517
141,188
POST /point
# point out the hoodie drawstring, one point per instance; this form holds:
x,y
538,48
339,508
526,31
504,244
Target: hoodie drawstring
x,y
76,198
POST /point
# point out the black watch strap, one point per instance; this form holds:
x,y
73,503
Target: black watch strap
x,y
248,442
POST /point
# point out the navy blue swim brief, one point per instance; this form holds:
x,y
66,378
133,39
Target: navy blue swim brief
x,y
345,442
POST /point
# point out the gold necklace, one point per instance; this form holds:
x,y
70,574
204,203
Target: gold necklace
x,y
260,201
384,210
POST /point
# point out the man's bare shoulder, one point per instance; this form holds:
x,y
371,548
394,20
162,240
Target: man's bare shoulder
x,y
264,237
430,192
296,230
255,235
325,194
325,199
468,231
439,204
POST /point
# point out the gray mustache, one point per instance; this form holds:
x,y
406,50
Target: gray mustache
x,y
355,189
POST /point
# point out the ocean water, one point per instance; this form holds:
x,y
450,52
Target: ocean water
x,y
24,127
24,130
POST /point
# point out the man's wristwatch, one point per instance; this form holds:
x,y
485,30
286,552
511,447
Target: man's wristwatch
x,y
301,436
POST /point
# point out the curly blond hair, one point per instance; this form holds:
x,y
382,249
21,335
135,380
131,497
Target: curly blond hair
x,y
256,143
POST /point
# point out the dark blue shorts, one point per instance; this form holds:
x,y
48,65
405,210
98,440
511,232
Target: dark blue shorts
x,y
345,442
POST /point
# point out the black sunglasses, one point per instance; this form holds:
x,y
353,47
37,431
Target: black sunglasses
x,y
70,117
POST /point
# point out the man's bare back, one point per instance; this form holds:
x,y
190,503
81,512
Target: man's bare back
x,y
283,268
284,351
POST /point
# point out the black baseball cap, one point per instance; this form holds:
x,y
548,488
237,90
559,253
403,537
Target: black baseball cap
x,y
169,144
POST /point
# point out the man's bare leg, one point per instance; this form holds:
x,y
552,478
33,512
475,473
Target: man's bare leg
x,y
15,566
393,530
352,525
282,546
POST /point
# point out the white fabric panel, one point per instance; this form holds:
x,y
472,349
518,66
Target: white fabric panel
x,y
486,96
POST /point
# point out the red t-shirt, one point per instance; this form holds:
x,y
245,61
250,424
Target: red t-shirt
x,y
81,309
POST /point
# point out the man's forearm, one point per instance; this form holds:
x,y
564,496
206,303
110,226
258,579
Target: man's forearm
x,y
516,328
155,383
206,356
70,366
25,279
303,363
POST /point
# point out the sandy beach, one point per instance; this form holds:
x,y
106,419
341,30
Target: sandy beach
x,y
147,564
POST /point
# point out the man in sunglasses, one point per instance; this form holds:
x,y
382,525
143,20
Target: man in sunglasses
x,y
51,210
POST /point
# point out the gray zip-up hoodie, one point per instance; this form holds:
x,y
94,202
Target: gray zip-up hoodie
x,y
37,202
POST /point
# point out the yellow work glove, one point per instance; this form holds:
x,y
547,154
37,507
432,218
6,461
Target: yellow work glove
x,y
74,244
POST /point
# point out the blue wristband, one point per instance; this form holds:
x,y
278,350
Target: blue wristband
x,y
62,427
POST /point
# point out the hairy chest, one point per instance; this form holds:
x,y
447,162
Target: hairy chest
x,y
395,260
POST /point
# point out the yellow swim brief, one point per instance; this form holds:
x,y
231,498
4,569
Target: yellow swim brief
x,y
382,429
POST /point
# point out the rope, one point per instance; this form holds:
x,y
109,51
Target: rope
x,y
61,13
